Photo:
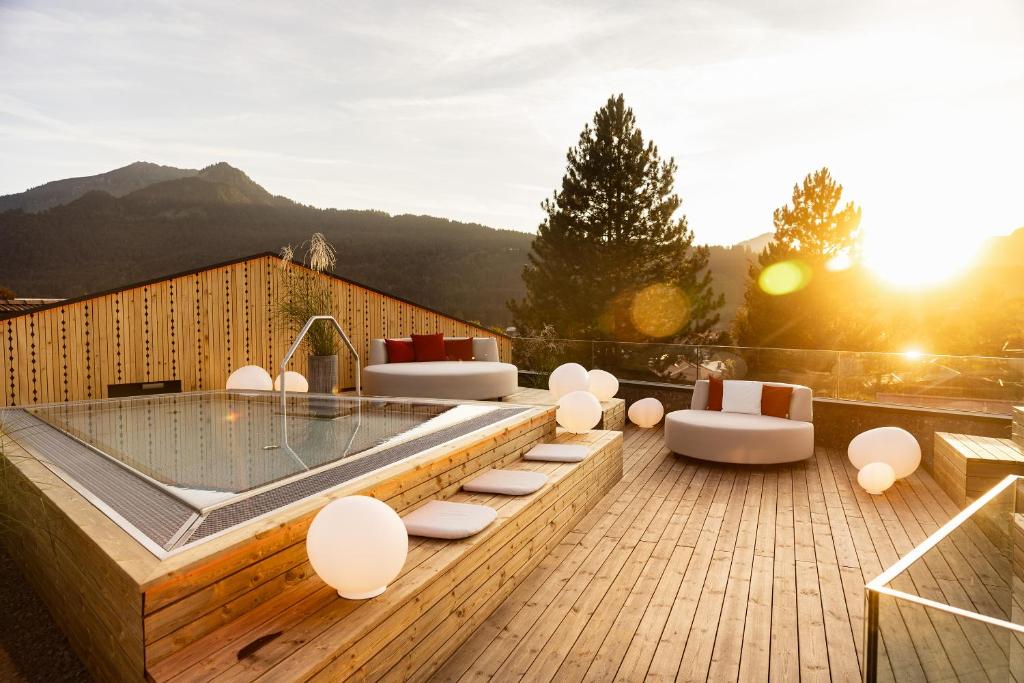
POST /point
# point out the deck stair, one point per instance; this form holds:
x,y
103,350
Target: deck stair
x,y
966,466
446,590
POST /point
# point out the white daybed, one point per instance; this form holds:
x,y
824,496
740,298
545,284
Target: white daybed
x,y
482,378
739,437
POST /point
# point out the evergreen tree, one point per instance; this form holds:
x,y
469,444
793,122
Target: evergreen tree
x,y
611,259
825,304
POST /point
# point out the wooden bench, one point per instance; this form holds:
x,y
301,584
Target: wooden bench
x,y
446,590
614,410
967,466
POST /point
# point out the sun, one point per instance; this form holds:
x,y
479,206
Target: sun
x,y
913,261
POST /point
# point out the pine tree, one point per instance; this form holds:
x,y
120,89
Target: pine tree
x,y
827,307
611,260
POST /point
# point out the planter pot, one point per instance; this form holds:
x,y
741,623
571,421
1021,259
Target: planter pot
x,y
323,374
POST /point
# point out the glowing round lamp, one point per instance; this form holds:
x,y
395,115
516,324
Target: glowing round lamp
x,y
603,384
876,477
578,412
892,445
293,381
646,412
357,545
568,378
250,377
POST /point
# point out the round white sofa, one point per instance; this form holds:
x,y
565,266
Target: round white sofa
x,y
741,438
483,378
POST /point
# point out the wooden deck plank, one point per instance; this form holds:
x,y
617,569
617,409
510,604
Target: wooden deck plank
x,y
695,571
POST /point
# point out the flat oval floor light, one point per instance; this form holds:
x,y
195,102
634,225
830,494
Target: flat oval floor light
x,y
250,377
646,412
876,477
578,412
293,381
892,445
357,545
603,384
567,378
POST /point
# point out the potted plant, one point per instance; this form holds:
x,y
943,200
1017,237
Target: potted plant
x,y
307,293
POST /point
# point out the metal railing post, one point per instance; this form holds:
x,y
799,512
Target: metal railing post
x,y
284,367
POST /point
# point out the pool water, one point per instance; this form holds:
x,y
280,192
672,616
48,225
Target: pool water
x,y
182,467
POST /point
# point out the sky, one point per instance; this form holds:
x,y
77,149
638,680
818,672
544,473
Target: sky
x,y
466,109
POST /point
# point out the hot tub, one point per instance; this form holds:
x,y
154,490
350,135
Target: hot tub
x,y
178,469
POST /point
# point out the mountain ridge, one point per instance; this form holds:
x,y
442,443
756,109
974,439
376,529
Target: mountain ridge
x,y
117,183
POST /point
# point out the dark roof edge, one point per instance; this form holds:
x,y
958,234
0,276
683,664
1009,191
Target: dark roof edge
x,y
231,262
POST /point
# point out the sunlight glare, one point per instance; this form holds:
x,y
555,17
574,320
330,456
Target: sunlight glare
x,y
919,261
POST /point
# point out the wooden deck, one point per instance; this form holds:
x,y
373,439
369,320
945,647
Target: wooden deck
x,y
694,571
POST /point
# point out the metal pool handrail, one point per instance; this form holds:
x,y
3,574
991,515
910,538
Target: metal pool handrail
x,y
284,367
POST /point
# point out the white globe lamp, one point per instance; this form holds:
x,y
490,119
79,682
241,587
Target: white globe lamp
x,y
876,477
892,445
250,377
578,412
646,412
293,381
357,545
603,384
568,378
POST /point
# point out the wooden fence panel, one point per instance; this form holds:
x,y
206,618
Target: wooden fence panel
x,y
196,327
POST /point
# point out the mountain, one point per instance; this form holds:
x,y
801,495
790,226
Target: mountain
x,y
100,241
757,244
117,183
107,235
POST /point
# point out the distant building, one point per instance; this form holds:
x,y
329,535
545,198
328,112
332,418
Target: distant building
x,y
9,307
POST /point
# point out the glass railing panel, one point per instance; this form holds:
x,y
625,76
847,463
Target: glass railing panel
x,y
668,363
971,383
968,383
950,609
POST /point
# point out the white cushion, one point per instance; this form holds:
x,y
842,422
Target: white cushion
x,y
741,396
470,380
557,452
443,519
507,482
801,406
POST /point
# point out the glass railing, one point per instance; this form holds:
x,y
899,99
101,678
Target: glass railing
x,y
969,383
953,608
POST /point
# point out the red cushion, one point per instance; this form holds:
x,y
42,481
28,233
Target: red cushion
x,y
715,390
400,351
775,400
428,347
459,349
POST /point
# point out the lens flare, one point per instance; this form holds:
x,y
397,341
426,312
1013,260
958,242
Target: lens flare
x,y
913,354
784,278
232,416
660,310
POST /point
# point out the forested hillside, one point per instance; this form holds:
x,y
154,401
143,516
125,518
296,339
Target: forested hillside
x,y
99,241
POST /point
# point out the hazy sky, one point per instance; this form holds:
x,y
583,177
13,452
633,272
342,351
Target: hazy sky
x,y
466,109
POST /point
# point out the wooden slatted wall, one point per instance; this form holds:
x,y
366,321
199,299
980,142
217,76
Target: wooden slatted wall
x,y
195,327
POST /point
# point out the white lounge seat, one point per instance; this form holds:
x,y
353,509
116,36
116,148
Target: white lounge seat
x,y
742,438
507,482
480,379
447,520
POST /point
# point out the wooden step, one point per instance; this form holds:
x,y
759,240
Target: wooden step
x,y
446,589
613,410
966,466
